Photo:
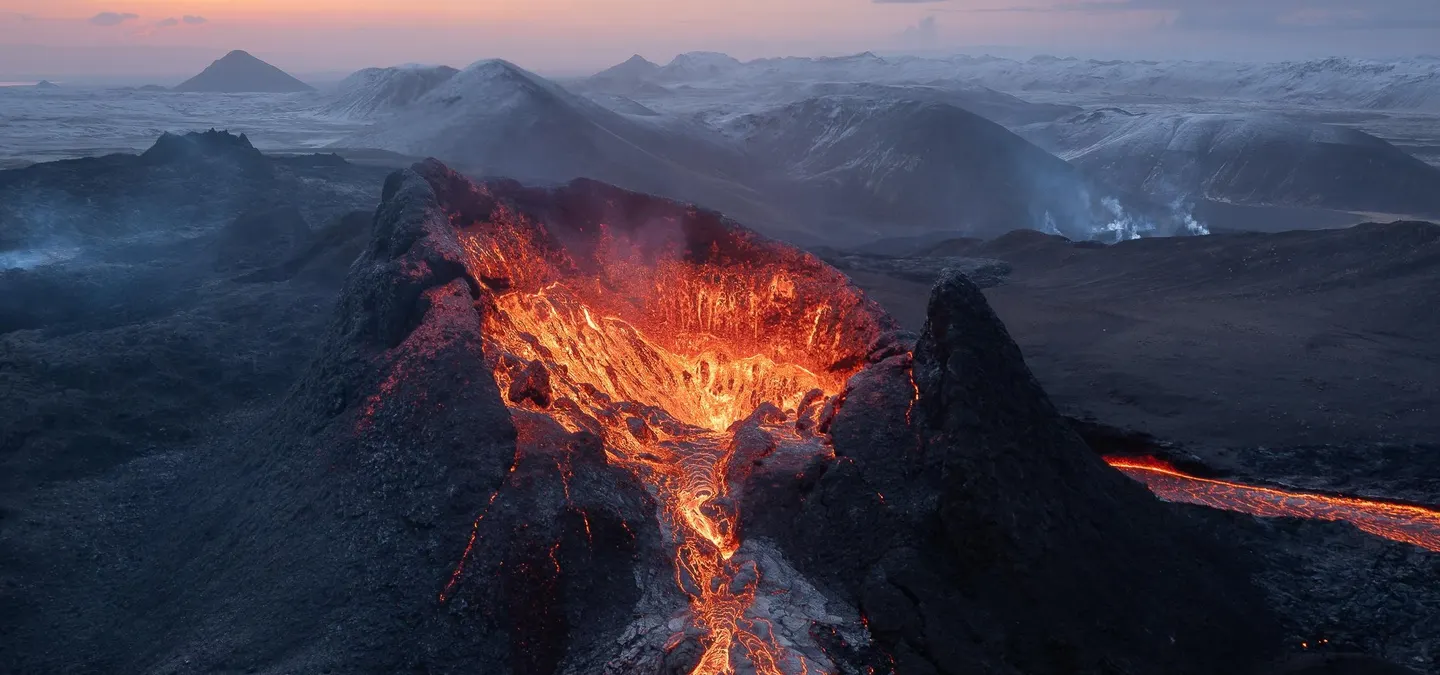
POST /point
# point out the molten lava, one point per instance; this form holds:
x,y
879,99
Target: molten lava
x,y
666,341
1408,523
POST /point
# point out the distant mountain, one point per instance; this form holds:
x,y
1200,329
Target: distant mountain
x,y
983,101
697,66
768,82
1398,84
827,169
181,185
46,84
636,67
239,72
1261,159
380,91
904,167
634,77
494,118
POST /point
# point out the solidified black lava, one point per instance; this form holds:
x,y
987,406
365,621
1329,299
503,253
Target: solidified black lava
x,y
984,536
381,519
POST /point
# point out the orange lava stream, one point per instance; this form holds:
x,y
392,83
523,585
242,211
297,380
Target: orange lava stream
x,y
661,357
1407,523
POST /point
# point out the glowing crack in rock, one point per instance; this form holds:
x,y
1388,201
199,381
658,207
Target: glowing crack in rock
x,y
667,343
1407,523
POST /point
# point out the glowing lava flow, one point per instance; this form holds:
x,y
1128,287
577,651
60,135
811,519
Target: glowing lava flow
x,y
1416,525
665,352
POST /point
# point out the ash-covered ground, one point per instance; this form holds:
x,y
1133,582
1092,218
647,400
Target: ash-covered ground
x,y
188,488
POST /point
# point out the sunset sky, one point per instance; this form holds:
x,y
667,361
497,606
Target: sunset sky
x,y
57,38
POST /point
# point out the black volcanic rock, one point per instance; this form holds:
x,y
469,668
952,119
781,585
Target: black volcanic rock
x,y
326,260
187,183
239,72
170,148
257,238
380,518
978,533
340,533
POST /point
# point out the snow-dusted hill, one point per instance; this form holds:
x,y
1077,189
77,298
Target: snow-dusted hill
x,y
1245,158
886,161
636,68
1402,84
694,66
495,118
924,166
1399,84
375,92
983,101
715,87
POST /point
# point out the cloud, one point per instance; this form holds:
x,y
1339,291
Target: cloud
x,y
921,33
112,18
188,20
903,2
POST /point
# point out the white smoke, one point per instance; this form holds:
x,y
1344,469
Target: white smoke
x,y
1124,225
1184,213
1049,227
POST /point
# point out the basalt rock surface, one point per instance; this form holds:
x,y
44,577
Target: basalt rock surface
x,y
380,518
977,533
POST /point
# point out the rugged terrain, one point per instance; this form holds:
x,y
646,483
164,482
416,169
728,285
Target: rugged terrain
x,y
147,297
837,167
1304,356
251,423
371,93
1260,159
1340,83
916,166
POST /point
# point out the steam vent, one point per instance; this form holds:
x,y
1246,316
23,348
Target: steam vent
x,y
583,430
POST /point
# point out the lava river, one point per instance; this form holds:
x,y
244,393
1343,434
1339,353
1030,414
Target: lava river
x,y
1408,523
666,342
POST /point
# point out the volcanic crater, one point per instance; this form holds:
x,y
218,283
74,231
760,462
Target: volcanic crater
x,y
697,354
576,429
723,458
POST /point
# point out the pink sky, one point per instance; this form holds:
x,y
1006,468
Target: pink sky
x,y
152,37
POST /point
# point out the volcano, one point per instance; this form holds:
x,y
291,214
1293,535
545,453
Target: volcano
x,y
584,430
239,72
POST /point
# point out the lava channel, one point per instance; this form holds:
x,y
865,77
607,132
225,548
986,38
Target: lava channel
x,y
1407,523
664,341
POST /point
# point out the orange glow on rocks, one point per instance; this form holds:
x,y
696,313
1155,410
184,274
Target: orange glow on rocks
x,y
1407,523
668,340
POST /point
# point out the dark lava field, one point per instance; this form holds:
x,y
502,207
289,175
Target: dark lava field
x,y
293,414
